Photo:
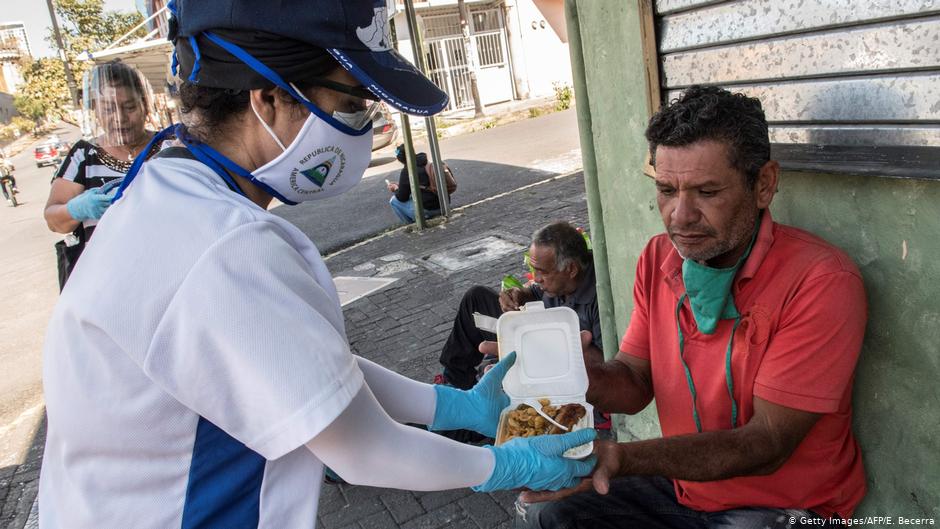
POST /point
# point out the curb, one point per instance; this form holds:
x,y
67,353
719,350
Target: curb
x,y
460,126
496,120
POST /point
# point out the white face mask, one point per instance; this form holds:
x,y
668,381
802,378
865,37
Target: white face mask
x,y
321,162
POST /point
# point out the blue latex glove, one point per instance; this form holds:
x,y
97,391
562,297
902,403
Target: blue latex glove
x,y
476,409
89,205
537,463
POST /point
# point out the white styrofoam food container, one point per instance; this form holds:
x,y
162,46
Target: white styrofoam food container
x,y
549,363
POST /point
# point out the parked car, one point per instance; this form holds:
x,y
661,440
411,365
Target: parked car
x,y
384,129
48,154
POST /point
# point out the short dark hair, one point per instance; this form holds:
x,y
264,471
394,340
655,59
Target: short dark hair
x,y
567,242
713,113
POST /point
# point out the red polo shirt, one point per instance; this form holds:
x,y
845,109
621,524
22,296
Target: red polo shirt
x,y
803,319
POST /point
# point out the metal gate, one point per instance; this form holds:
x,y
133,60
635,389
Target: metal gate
x,y
447,61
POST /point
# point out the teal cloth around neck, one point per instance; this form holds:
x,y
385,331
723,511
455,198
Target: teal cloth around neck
x,y
709,289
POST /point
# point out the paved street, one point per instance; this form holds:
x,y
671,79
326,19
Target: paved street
x,y
27,293
401,326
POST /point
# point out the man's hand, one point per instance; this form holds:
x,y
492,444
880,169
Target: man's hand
x,y
392,187
758,448
608,466
512,299
592,355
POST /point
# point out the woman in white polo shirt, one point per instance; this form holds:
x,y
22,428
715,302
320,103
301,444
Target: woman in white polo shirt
x,y
196,371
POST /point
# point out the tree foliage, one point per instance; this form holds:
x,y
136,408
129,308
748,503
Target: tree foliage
x,y
44,93
18,126
85,27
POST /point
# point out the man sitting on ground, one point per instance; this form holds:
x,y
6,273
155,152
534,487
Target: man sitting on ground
x,y
747,333
402,201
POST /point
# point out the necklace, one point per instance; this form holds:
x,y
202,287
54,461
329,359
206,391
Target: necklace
x,y
118,164
134,149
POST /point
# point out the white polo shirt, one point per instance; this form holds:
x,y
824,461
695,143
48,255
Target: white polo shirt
x,y
197,346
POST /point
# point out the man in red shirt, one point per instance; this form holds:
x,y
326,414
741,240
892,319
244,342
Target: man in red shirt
x,y
746,332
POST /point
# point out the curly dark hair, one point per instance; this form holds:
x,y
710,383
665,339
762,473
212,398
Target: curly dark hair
x,y
713,113
214,107
568,243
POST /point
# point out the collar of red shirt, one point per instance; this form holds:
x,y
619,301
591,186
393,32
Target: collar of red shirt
x,y
672,265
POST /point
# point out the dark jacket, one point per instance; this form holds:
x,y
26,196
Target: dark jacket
x,y
583,301
428,199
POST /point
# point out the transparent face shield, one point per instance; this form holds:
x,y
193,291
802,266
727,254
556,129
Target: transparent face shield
x,y
117,105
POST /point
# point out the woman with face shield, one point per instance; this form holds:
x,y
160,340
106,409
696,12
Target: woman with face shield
x,y
197,371
117,102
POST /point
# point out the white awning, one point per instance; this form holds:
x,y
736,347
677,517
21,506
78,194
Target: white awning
x,y
152,57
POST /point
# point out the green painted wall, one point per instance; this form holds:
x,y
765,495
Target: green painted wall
x,y
890,227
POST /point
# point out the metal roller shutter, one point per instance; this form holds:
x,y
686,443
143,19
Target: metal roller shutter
x,y
847,86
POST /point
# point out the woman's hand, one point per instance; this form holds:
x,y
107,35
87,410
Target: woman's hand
x,y
537,463
90,205
475,409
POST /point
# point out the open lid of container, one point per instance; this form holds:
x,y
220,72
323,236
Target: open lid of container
x,y
547,342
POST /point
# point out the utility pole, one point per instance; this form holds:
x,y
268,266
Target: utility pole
x,y
410,162
430,126
69,78
470,53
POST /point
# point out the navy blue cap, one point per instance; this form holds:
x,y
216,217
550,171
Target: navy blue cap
x,y
354,32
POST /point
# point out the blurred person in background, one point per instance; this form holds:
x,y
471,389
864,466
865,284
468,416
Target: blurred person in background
x,y
6,171
402,203
117,100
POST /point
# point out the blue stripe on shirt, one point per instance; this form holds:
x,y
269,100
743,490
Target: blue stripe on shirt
x,y
224,488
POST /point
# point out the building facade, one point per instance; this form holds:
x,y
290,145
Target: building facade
x,y
520,46
7,108
13,34
14,46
